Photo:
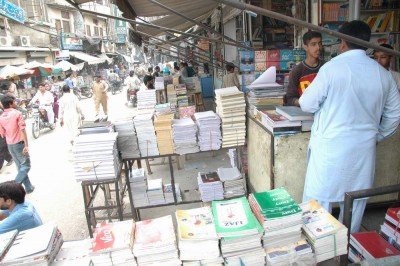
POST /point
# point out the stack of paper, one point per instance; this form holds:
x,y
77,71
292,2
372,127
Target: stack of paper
x,y
171,95
138,183
155,191
127,143
36,246
159,83
295,114
169,195
187,112
196,232
232,180
278,124
231,107
112,243
327,236
240,232
389,228
299,251
163,127
96,128
185,140
163,109
181,95
210,186
74,253
280,216
95,157
209,125
146,135
6,240
146,100
155,242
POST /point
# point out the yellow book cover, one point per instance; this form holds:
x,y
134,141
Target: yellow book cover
x,y
196,224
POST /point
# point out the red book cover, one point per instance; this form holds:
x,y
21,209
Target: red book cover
x,y
273,55
373,244
276,64
391,215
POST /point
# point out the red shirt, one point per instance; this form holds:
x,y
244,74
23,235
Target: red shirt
x,y
11,124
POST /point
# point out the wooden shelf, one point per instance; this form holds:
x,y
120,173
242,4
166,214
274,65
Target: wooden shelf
x,y
379,10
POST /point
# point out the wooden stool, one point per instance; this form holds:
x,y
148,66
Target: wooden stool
x,y
198,99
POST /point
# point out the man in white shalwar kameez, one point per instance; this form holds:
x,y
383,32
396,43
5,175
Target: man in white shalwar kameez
x,y
70,113
356,104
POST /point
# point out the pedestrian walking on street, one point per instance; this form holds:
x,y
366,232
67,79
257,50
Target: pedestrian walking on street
x,y
12,127
71,114
5,155
100,97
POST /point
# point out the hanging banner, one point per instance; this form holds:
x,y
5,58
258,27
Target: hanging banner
x,y
12,11
69,41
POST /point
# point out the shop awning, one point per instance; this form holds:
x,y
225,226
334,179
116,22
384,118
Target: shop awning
x,y
91,60
105,57
127,58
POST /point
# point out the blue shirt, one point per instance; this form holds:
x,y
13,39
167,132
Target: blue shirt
x,y
22,217
69,82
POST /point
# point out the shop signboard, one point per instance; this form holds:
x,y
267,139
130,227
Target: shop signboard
x,y
62,55
69,41
121,38
12,11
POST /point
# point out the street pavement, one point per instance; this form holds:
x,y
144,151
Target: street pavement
x,y
57,196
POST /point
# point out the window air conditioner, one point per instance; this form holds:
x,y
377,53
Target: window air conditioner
x,y
5,41
24,41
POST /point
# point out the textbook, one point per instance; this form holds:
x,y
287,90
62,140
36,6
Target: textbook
x,y
294,113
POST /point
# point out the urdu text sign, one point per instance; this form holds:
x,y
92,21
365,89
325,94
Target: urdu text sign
x,y
12,11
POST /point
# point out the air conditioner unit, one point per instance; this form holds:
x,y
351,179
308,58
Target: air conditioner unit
x,y
5,41
24,41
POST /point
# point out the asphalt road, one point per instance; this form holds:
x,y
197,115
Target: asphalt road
x,y
58,197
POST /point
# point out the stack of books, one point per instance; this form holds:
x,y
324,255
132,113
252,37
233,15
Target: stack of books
x,y
208,124
146,135
95,157
232,181
6,240
278,124
181,95
36,246
76,252
369,246
163,109
138,183
326,235
159,83
146,100
185,132
112,243
295,114
390,228
187,112
155,242
198,240
155,191
171,95
163,127
210,186
240,232
127,143
96,128
231,107
280,216
300,252
169,195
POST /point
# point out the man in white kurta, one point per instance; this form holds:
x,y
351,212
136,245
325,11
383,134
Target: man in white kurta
x,y
70,113
46,101
356,104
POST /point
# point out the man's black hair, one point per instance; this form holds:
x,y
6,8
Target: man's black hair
x,y
150,70
12,190
147,78
384,45
357,29
229,66
309,35
157,68
66,88
7,101
131,73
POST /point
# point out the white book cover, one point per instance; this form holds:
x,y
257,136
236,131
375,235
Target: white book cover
x,y
267,79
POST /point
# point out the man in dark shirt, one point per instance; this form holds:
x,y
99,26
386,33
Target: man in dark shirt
x,y
304,73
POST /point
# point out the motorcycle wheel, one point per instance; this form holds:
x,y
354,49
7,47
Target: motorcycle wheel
x,y
113,90
24,112
36,129
89,95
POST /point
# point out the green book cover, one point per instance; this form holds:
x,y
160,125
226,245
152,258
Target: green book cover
x,y
260,229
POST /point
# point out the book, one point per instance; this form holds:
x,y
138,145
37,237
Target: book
x,y
195,224
209,177
294,113
6,240
372,246
113,236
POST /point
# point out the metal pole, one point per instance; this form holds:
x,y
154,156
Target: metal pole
x,y
298,22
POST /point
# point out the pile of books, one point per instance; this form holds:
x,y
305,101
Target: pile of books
x,y
159,83
171,95
278,124
138,183
95,157
185,132
181,95
36,246
240,232
163,127
210,186
231,107
127,143
300,252
96,128
155,191
369,246
76,252
326,235
390,228
169,195
187,111
198,240
146,135
280,216
155,242
146,100
234,184
295,114
209,136
163,109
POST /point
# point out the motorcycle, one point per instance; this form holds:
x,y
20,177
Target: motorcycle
x,y
115,86
40,120
23,108
84,91
132,96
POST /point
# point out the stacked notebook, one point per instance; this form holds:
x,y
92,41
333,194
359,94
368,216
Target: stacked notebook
x,y
299,251
138,183
74,253
231,107
390,228
162,109
155,242
6,240
169,195
210,186
198,240
96,128
163,127
232,181
209,125
171,95
185,140
280,216
295,114
181,95
240,232
278,124
95,157
146,135
187,111
155,191
127,143
327,236
146,100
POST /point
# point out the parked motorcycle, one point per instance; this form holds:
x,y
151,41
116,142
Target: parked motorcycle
x,y
115,86
40,120
84,91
